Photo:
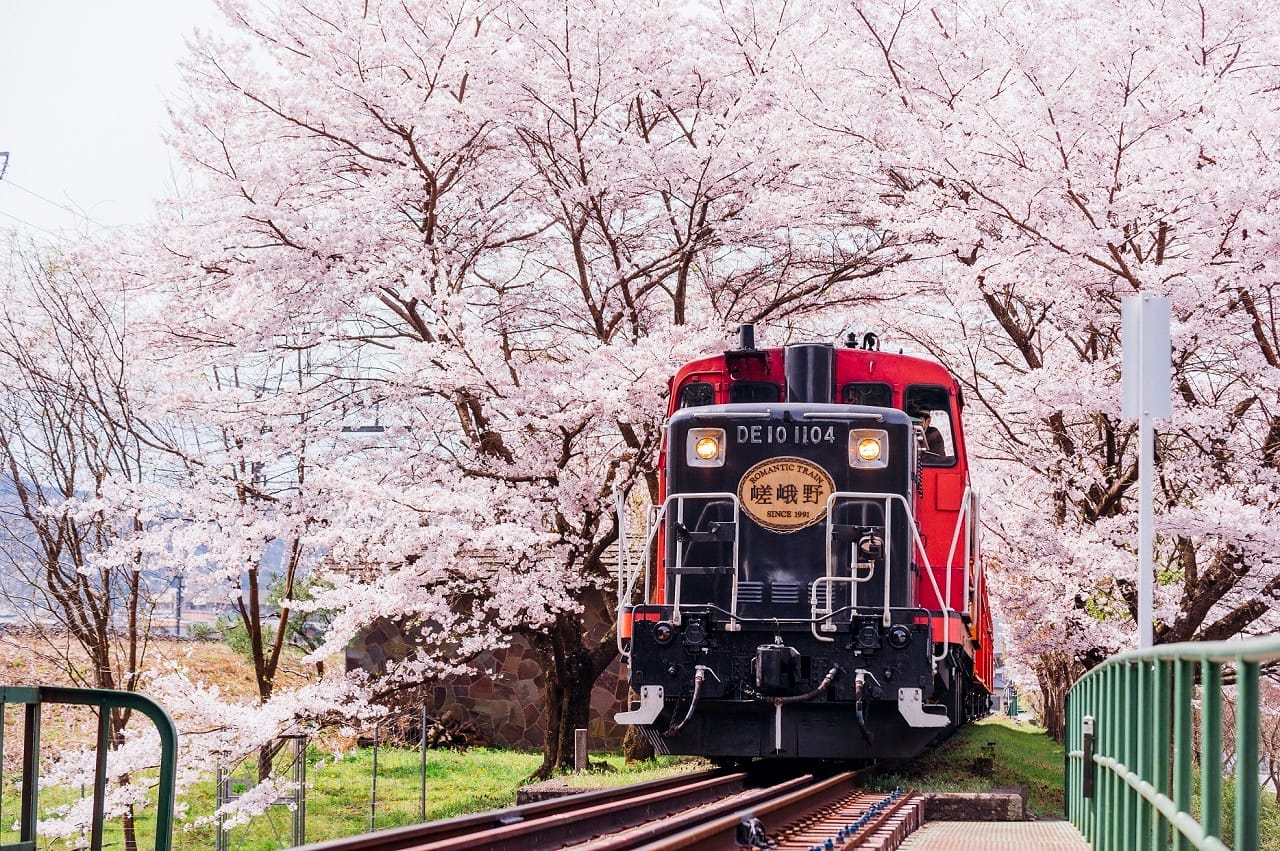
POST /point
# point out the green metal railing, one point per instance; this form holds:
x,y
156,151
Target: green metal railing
x,y
32,698
1129,737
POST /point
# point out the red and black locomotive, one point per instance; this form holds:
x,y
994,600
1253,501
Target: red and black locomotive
x,y
810,585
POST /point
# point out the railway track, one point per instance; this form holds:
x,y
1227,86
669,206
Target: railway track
x,y
707,810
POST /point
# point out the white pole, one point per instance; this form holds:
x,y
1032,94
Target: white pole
x,y
1146,372
1146,519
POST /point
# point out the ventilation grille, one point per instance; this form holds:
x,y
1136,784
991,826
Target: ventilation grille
x,y
784,593
750,592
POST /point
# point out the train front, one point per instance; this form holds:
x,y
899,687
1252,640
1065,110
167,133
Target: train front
x,y
781,620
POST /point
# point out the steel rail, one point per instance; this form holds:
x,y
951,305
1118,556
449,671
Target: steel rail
x,y
681,822
551,823
786,809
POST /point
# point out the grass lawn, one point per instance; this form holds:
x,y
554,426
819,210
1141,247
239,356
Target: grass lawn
x,y
1025,758
340,799
610,770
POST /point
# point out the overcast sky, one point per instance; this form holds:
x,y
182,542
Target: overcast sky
x,y
82,91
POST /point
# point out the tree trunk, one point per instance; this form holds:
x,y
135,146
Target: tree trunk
x,y
636,747
569,674
118,720
266,756
1055,675
129,829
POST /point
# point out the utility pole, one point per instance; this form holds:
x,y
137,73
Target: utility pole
x,y
1146,370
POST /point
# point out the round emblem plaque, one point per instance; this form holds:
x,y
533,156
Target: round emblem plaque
x,y
786,494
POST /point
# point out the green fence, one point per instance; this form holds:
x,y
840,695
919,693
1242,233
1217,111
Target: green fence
x,y
32,698
1132,741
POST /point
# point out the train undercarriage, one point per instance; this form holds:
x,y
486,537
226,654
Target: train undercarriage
x,y
784,690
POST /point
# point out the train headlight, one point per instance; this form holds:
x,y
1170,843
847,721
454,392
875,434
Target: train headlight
x,y
899,636
663,632
705,447
868,448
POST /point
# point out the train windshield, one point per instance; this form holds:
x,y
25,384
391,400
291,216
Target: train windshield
x,y
754,391
873,393
696,394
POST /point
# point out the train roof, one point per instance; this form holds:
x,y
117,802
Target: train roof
x,y
850,365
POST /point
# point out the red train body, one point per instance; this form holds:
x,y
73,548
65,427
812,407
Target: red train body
x,y
811,585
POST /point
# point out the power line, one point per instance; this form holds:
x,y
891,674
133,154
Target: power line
x,y
5,167
31,225
73,211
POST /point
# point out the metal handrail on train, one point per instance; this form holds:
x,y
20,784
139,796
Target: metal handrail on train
x,y
918,545
853,579
969,508
1131,726
678,577
628,574
32,698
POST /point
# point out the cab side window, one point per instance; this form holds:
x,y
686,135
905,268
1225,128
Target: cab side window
x,y
930,409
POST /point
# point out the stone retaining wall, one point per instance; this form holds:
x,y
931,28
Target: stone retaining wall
x,y
505,704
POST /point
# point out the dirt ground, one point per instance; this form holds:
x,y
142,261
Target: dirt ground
x,y
29,660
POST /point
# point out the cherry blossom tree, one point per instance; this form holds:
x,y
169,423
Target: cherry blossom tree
x,y
77,575
491,230
411,333
1061,181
